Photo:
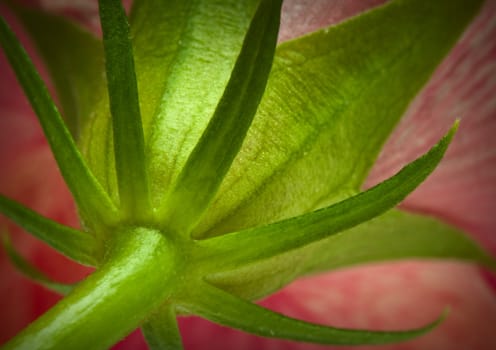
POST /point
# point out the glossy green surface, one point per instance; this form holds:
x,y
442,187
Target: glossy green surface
x,y
140,272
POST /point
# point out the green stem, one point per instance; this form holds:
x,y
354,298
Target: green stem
x,y
138,276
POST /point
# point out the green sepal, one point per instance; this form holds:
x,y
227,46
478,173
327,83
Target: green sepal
x,y
223,308
181,74
31,272
128,139
212,156
93,202
77,245
332,100
395,235
255,244
184,51
181,71
74,58
161,331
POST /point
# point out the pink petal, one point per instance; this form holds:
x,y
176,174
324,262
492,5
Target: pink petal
x,y
303,16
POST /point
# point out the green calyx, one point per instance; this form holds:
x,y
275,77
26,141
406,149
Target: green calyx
x,y
216,168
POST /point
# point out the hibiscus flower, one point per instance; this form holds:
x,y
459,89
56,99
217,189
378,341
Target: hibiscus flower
x,y
461,191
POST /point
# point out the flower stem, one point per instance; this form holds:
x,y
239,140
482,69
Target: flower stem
x,y
137,277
